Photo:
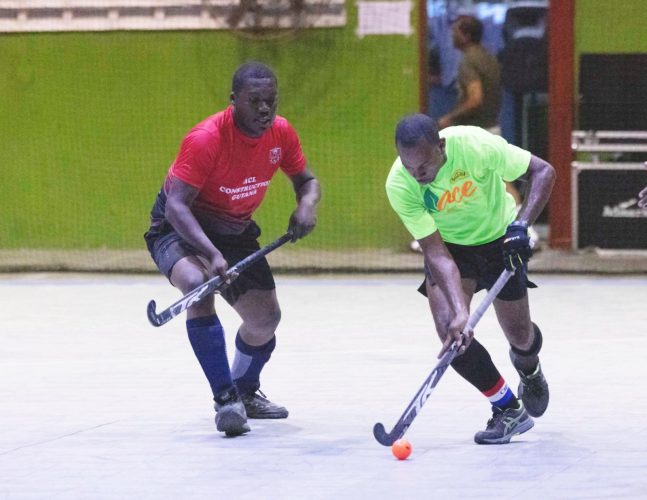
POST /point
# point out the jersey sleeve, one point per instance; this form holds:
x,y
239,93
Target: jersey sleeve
x,y
507,160
409,206
196,158
294,161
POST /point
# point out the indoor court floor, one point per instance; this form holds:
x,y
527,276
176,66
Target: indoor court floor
x,y
98,404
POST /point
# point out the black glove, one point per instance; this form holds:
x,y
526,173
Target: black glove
x,y
516,245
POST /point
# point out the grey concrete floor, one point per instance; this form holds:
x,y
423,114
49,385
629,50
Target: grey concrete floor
x,y
97,404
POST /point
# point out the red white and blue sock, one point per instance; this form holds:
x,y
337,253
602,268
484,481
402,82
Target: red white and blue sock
x,y
501,396
475,365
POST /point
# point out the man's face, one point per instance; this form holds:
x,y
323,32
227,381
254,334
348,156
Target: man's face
x,y
424,160
458,37
255,106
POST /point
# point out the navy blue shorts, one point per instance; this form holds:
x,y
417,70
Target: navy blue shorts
x,y
484,263
167,247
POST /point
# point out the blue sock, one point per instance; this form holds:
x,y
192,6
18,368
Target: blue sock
x,y
248,363
501,396
207,338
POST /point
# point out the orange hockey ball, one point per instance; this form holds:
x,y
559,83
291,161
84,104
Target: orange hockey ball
x,y
401,449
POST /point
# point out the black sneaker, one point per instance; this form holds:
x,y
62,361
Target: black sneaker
x,y
258,406
504,424
533,391
230,414
231,419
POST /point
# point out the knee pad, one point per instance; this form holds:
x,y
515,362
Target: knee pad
x,y
534,348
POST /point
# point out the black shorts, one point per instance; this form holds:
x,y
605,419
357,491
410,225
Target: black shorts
x,y
484,263
167,247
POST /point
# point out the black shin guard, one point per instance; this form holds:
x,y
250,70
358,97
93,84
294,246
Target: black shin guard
x,y
475,365
534,348
526,361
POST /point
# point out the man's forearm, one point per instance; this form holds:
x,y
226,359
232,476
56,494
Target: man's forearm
x,y
540,184
187,226
463,109
309,193
448,279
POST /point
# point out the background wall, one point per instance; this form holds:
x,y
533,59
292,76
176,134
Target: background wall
x,y
91,121
602,26
613,94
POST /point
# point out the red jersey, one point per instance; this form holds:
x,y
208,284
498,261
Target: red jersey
x,y
231,170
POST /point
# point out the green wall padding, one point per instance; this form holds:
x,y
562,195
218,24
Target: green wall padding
x,y
91,121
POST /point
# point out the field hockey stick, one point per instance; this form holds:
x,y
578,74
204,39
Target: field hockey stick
x,y
387,439
214,285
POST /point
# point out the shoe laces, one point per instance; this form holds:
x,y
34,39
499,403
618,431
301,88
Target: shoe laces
x,y
496,415
258,395
532,383
534,389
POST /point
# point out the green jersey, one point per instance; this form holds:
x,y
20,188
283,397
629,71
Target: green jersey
x,y
467,202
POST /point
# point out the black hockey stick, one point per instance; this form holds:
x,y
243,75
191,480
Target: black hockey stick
x,y
387,439
214,285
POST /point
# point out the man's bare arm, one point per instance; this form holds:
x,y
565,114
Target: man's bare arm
x,y
308,193
541,179
178,212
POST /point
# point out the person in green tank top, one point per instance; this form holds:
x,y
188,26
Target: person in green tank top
x,y
448,189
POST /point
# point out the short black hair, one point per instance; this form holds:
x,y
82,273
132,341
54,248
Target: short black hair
x,y
251,69
414,128
470,26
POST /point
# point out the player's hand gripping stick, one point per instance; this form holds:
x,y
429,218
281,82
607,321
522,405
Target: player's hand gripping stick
x,y
516,245
214,285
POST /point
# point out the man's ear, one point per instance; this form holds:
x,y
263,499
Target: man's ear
x,y
232,98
